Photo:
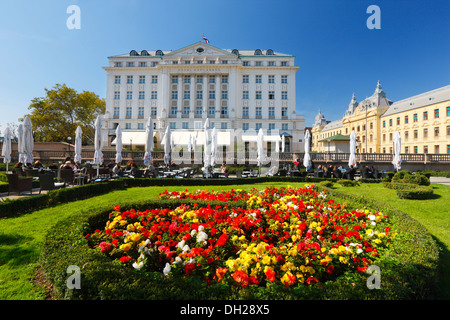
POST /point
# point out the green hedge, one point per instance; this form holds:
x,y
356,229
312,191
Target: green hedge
x,y
417,193
408,270
406,176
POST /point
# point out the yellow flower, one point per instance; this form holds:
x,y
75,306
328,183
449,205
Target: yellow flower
x,y
342,259
125,247
266,260
123,222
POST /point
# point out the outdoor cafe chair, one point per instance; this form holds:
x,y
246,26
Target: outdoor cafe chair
x,y
19,185
47,182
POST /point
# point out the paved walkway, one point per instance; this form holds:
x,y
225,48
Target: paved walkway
x,y
440,180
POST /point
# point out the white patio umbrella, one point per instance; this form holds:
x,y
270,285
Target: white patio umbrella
x,y
307,156
27,140
352,158
20,143
277,145
206,146
98,155
283,142
189,146
78,133
260,148
148,142
397,149
6,150
167,145
213,147
119,145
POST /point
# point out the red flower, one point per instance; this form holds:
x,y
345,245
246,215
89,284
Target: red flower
x,y
105,246
222,240
270,274
116,208
125,259
189,268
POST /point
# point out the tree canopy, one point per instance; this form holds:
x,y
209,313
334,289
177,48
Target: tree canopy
x,y
56,116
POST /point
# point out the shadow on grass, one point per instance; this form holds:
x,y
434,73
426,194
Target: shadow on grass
x,y
12,251
443,285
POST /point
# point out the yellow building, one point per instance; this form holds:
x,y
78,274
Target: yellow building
x,y
423,122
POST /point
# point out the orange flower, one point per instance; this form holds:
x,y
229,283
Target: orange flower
x,y
220,273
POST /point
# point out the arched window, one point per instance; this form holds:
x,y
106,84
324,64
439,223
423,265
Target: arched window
x,y
235,51
159,53
144,53
269,52
133,53
258,52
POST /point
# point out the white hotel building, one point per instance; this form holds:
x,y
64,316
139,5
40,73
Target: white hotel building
x,y
235,89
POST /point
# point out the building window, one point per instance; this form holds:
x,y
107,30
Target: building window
x,y
384,150
187,62
187,79
406,119
245,78
211,110
425,149
127,126
116,95
129,95
224,61
173,125
436,131
141,79
258,126
436,149
142,64
198,110
175,95
406,149
390,122
271,95
436,113
173,110
141,95
245,126
258,95
425,115
384,123
224,125
258,79
245,63
284,95
284,112
154,79
415,117
245,95
129,79
258,111
271,112
271,126
284,126
199,79
448,130
117,79
212,62
416,134
174,79
390,137
425,133
416,149
117,64
384,137
224,94
406,135
284,79
212,79
271,63
154,95
448,111
271,79
398,121
185,125
199,95
187,95
130,64
128,114
174,62
245,111
258,63
153,111
186,110
116,111
371,125
224,79
140,126
212,94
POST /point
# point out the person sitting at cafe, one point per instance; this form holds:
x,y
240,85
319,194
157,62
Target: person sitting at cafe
x,y
351,173
297,163
134,172
224,170
364,172
118,170
150,170
336,173
38,165
18,168
67,165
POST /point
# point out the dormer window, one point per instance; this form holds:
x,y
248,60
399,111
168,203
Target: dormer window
x,y
235,51
144,53
258,52
133,53
269,52
159,53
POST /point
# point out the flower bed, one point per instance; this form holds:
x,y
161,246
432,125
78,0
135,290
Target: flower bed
x,y
289,236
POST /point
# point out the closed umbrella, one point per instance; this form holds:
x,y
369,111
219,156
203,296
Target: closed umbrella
x,y
207,146
213,147
277,145
27,140
260,148
167,146
307,157
78,133
20,143
283,142
98,155
148,142
119,145
352,158
189,146
6,150
397,149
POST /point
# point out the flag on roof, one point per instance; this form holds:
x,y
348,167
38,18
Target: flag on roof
x,y
204,38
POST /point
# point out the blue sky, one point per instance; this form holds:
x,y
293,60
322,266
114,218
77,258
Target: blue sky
x,y
336,52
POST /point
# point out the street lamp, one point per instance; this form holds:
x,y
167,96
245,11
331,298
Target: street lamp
x,y
69,139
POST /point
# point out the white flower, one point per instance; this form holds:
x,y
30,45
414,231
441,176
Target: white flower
x,y
202,236
177,260
181,244
359,250
371,217
373,223
166,269
201,228
138,265
186,248
193,232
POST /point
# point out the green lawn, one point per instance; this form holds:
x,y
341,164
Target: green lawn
x,y
21,237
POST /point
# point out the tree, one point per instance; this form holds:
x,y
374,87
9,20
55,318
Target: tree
x,y
56,116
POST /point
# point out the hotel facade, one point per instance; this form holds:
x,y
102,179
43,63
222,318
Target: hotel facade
x,y
422,120
235,89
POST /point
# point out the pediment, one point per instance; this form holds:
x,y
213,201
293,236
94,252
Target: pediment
x,y
200,49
